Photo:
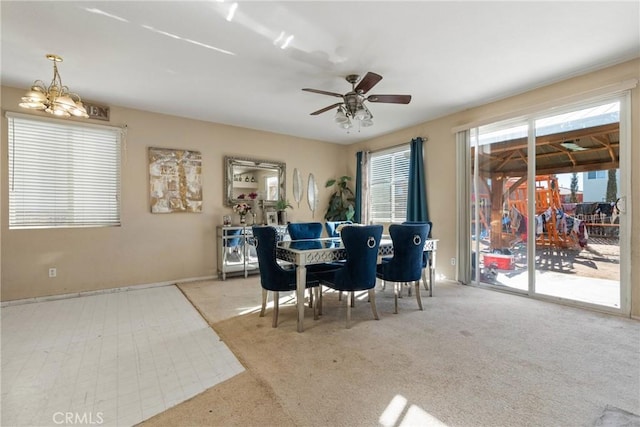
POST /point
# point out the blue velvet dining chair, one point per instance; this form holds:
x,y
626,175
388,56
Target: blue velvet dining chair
x,y
425,255
304,230
332,231
273,277
358,273
332,227
307,231
406,264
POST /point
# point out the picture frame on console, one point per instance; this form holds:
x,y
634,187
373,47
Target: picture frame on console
x,y
272,218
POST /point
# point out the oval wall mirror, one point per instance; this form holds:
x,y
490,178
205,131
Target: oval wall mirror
x,y
312,194
297,186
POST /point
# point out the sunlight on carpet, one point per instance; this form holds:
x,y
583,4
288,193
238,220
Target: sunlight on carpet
x,y
397,414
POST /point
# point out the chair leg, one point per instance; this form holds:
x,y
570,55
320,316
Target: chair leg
x,y
372,299
310,297
264,301
431,281
276,308
395,297
409,291
424,279
319,302
353,299
418,294
339,295
349,298
315,306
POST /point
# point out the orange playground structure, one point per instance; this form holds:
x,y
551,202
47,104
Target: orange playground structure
x,y
554,228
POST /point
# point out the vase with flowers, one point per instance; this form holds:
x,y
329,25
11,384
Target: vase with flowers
x,y
242,209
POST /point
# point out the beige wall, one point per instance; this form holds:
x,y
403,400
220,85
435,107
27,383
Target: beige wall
x,y
440,164
150,248
157,248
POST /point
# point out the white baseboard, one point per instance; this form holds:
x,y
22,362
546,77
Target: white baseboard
x,y
103,291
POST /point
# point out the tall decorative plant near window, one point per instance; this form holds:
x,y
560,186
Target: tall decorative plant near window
x,y
342,201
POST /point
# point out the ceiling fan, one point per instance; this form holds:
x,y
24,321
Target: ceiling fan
x,y
353,102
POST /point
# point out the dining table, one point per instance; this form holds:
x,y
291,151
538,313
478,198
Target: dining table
x,y
302,253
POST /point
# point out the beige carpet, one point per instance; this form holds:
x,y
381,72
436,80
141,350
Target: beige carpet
x,y
472,358
240,401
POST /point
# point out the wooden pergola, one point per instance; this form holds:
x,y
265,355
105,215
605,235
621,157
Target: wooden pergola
x,y
581,150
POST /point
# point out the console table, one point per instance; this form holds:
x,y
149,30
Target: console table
x,y
236,253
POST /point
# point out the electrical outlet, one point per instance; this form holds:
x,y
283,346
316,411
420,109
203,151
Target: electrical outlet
x,y
53,272
453,261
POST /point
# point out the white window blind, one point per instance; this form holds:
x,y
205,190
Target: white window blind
x,y
388,185
62,174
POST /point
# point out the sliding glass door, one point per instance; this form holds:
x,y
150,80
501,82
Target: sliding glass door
x,y
498,226
578,226
546,208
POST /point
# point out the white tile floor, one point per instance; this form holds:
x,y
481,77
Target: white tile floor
x,y
112,359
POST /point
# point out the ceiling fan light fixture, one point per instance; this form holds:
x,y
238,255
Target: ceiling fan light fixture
x,y
341,117
572,146
346,124
54,99
353,110
360,113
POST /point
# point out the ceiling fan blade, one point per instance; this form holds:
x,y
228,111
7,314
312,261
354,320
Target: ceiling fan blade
x,y
392,99
330,107
323,92
367,82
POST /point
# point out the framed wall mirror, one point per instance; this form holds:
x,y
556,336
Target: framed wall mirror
x,y
244,176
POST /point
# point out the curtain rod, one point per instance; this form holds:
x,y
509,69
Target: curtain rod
x,y
424,139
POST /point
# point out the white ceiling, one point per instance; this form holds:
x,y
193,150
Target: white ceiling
x,y
185,59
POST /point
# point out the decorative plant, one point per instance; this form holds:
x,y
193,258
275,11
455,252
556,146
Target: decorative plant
x,y
342,202
281,207
253,195
283,204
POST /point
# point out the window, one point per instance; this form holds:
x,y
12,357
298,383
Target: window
x,y
388,184
596,175
272,188
62,174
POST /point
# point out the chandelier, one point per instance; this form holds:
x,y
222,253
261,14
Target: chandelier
x,y
55,99
353,110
